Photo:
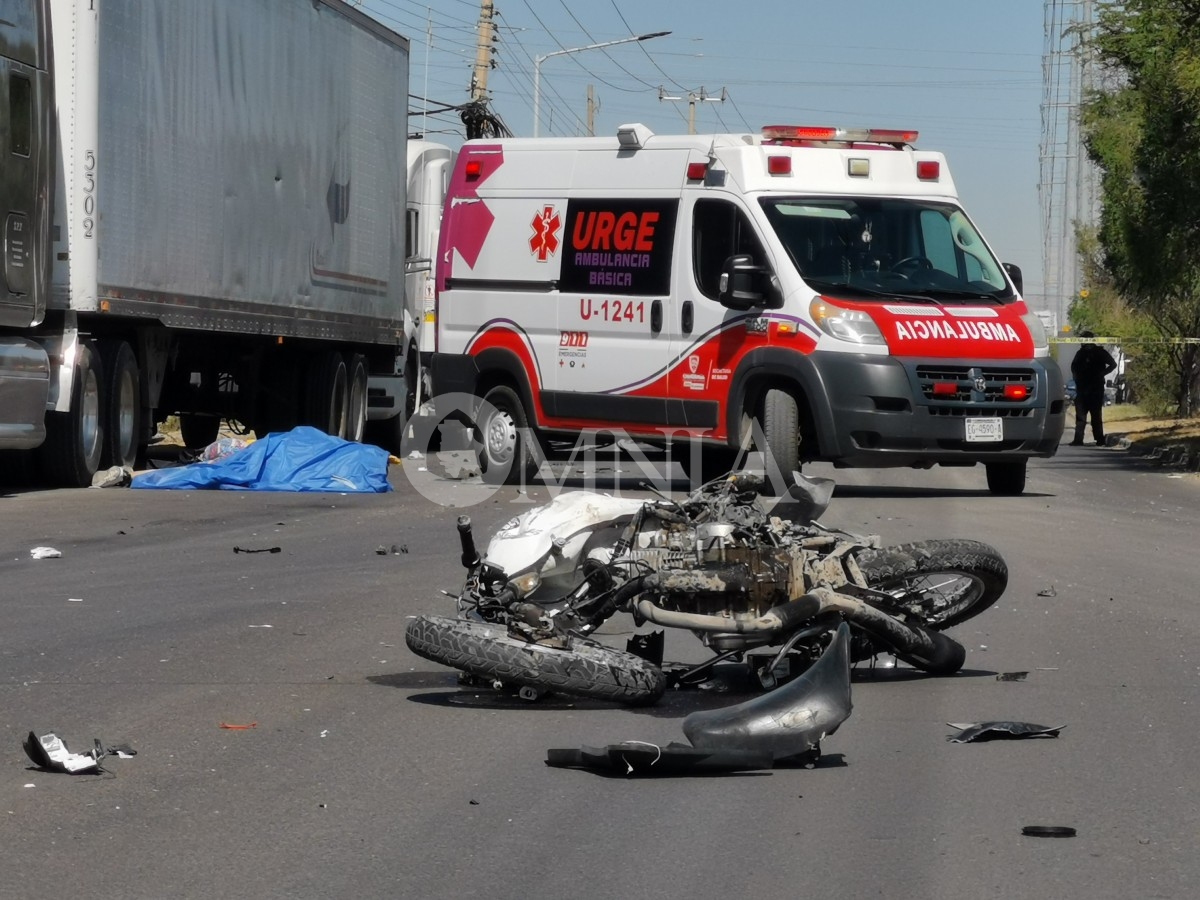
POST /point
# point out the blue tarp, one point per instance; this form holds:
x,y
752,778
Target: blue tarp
x,y
303,459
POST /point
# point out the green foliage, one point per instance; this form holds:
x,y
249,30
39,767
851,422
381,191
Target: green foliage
x,y
1144,134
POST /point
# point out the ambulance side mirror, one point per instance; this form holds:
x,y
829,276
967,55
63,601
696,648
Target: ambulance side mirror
x,y
744,284
1014,272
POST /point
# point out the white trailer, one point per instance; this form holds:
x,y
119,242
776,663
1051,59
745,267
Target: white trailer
x,y
204,215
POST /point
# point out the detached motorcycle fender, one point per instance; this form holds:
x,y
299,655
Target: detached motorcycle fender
x,y
789,722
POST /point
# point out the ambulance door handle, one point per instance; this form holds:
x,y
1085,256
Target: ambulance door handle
x,y
687,317
656,316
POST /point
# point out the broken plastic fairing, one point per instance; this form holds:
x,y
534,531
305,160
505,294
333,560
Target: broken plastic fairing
x,y
790,721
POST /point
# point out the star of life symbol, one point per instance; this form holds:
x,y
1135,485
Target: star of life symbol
x,y
544,242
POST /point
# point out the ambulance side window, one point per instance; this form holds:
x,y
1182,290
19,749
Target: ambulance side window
x,y
720,230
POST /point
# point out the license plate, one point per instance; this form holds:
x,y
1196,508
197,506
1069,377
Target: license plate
x,y
985,430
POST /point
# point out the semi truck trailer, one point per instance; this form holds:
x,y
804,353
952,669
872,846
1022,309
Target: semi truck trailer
x,y
204,210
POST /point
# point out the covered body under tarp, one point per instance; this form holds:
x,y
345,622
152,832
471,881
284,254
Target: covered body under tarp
x,y
303,459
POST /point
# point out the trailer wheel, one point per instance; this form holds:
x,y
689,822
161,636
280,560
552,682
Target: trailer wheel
x,y
356,407
780,422
123,437
327,393
74,442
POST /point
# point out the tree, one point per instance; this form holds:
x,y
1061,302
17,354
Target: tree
x,y
1143,131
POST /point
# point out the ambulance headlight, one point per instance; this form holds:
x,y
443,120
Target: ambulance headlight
x,y
851,325
1037,331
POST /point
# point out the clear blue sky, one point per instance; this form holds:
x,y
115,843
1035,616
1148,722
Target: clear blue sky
x,y
966,74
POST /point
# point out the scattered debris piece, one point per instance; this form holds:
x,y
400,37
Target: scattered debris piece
x,y
1048,831
987,731
231,727
45,553
1012,676
641,758
74,599
1048,592
474,802
258,550
394,550
116,476
50,753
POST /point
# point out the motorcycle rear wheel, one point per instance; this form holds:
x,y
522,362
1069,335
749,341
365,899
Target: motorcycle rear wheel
x,y
586,670
939,582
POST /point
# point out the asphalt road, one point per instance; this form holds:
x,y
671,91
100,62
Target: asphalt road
x,y
369,773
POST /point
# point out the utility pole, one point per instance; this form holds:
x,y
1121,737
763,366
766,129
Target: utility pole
x,y
483,52
692,99
592,106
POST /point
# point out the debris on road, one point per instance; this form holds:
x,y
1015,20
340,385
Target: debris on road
x,y
50,753
1048,831
395,550
258,550
1048,592
1012,676
45,553
642,758
987,731
231,727
115,476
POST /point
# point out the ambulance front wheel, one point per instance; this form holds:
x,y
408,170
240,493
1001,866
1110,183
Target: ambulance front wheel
x,y
779,420
509,452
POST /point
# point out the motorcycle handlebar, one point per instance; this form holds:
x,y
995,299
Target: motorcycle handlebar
x,y
470,556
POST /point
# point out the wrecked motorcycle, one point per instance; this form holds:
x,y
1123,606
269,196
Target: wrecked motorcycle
x,y
764,586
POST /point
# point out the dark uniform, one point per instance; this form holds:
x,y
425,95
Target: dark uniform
x,y
1091,363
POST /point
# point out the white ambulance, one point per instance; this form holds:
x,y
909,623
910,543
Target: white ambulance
x,y
818,293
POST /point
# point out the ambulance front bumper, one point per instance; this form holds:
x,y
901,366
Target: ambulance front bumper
x,y
883,411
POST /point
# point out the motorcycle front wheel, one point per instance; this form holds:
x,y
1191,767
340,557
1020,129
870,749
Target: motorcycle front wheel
x,y
939,582
587,669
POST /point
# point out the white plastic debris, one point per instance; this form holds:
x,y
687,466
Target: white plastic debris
x,y
45,553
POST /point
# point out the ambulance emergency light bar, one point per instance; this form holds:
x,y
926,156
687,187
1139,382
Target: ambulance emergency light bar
x,y
801,135
844,135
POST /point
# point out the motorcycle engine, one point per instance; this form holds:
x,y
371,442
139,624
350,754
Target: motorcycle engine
x,y
710,569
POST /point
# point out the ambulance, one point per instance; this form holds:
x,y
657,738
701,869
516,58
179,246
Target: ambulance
x,y
817,294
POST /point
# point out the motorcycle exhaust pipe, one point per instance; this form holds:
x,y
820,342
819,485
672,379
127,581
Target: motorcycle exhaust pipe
x,y
774,621
914,643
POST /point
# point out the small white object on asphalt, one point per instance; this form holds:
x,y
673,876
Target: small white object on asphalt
x,y
45,553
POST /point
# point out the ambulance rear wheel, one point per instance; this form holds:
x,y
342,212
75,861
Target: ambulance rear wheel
x,y
509,452
780,424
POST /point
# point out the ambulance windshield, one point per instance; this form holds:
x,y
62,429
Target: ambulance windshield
x,y
870,245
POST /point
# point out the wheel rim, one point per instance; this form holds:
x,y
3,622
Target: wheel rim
x,y
937,597
89,415
126,415
500,438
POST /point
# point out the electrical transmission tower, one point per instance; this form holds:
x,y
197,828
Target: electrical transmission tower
x,y
1067,184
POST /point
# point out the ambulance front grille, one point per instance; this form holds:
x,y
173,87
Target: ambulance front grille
x,y
975,388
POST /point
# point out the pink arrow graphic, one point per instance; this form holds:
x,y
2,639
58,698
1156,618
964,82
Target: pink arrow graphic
x,y
467,220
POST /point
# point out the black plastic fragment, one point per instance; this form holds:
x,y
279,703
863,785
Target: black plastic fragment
x,y
1012,676
1004,731
640,758
258,550
1058,831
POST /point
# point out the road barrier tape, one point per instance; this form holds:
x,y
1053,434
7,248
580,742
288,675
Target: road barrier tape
x,y
1113,340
